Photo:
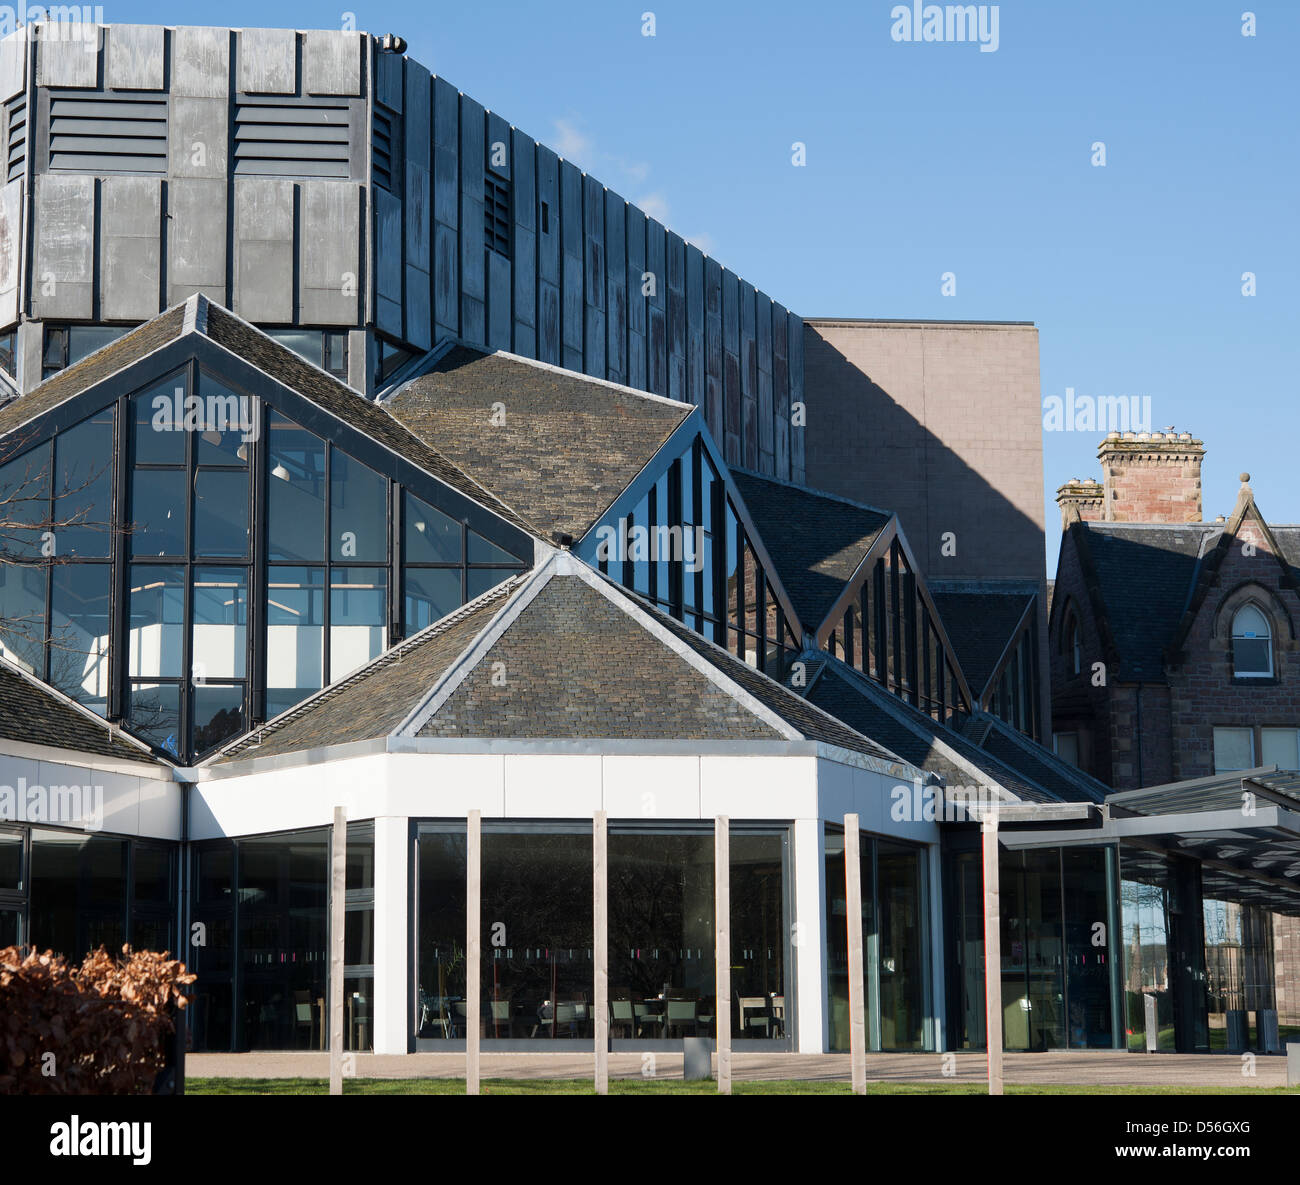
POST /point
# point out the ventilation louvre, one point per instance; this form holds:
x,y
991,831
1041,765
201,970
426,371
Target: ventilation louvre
x,y
278,139
385,163
496,215
105,134
16,143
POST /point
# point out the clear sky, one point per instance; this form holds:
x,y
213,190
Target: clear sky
x,y
926,158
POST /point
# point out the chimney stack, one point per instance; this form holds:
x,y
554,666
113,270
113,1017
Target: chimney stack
x,y
1151,477
1080,500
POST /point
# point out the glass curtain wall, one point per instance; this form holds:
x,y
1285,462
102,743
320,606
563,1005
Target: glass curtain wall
x,y
895,943
537,972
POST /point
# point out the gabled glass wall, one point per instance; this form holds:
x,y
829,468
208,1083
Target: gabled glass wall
x,y
190,561
684,548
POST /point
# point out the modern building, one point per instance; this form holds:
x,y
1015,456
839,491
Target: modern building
x,y
477,563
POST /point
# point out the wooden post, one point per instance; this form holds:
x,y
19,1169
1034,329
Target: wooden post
x,y
722,947
338,920
600,947
853,901
473,945
992,951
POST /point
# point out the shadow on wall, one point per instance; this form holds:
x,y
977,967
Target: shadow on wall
x,y
864,445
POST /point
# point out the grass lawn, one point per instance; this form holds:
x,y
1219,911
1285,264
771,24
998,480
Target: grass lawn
x,y
662,1086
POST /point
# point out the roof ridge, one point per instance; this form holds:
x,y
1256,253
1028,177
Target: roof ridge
x,y
1041,752
799,487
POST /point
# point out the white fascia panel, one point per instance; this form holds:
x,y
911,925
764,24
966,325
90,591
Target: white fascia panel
x,y
558,786
758,787
651,788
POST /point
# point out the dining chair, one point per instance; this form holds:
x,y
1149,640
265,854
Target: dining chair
x,y
622,1016
681,1015
754,1015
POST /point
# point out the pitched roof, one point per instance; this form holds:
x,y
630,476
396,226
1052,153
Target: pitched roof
x,y
575,665
817,541
1037,763
372,701
979,625
923,741
201,317
34,714
565,448
1141,576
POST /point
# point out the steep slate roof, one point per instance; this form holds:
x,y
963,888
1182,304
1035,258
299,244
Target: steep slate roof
x,y
575,665
1037,763
279,362
568,446
1143,576
34,714
372,701
922,741
979,626
816,540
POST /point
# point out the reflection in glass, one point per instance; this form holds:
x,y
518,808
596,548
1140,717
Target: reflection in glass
x,y
758,935
220,513
25,503
156,619
431,536
479,580
79,632
440,943
83,494
295,492
220,623
358,511
22,616
431,593
155,714
11,861
218,715
78,892
158,504
230,424
295,636
358,617
158,429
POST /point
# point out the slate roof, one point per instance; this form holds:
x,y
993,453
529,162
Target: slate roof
x,y
575,665
372,701
815,540
1038,763
1144,576
979,626
913,735
568,446
32,713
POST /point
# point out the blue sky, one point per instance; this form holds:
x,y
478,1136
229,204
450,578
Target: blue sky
x,y
931,158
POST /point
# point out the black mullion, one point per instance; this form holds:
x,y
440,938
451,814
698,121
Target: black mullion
x,y
652,508
183,726
328,555
760,612
675,519
118,581
909,635
896,618
629,568
697,526
864,616
740,590
926,662
396,572
718,537
259,592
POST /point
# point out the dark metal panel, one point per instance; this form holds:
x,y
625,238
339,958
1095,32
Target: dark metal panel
x,y
763,349
548,322
694,325
497,150
473,278
795,346
389,80
446,282
419,116
656,264
388,260
593,279
748,376
524,253
732,425
676,317
615,288
781,388
713,350
499,316
636,301
446,208
571,263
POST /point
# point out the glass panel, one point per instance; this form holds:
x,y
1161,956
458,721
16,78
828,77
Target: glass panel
x,y
156,621
358,1002
358,511
159,427
537,908
837,941
661,932
83,505
25,503
902,937
283,947
215,868
358,618
306,343
151,930
1144,909
295,629
758,935
10,927
220,623
431,536
220,513
79,632
84,340
359,937
1085,885
1279,748
295,492
431,593
152,875
22,616
218,715
1032,980
360,861
231,421
158,504
11,860
440,943
479,580
1234,748
483,552
156,714
79,892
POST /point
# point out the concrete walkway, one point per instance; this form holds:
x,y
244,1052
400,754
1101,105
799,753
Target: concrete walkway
x,y
1071,1069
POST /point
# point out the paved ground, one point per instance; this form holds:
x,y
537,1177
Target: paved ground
x,y
1117,1069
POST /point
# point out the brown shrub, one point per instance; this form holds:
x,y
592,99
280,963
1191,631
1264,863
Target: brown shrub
x,y
105,1022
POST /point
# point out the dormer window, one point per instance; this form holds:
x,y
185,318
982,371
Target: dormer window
x,y
1252,644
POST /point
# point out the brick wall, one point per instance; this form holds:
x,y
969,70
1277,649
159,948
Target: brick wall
x,y
1151,480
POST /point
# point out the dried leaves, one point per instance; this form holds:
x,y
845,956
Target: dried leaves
x,y
94,1029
